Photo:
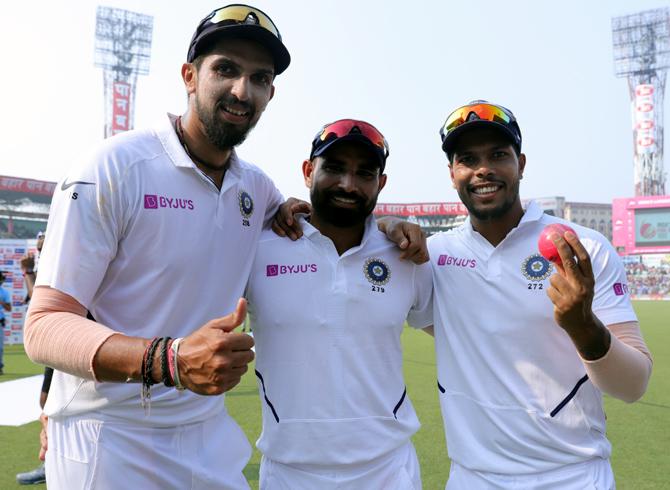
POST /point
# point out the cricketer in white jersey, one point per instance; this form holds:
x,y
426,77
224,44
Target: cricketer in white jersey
x,y
523,355
149,237
327,313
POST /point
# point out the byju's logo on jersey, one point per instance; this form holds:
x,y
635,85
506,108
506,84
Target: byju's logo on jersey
x,y
153,201
246,206
377,271
536,268
272,270
620,288
444,259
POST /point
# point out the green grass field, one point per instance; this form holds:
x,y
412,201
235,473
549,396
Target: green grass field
x,y
640,432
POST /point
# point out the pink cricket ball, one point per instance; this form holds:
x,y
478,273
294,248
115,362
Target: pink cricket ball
x,y
546,246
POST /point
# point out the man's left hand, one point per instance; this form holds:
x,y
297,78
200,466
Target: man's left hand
x,y
284,223
407,236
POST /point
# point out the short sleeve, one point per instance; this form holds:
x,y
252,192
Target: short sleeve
x,y
275,199
85,225
421,314
611,302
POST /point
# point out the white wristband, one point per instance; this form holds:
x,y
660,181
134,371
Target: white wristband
x,y
175,355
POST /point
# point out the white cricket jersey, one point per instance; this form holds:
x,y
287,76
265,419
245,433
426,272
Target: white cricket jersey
x,y
149,245
513,389
328,353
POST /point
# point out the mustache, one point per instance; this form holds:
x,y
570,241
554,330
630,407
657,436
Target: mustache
x,y
346,195
239,104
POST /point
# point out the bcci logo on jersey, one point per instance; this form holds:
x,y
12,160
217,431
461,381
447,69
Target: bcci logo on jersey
x,y
536,268
246,206
377,271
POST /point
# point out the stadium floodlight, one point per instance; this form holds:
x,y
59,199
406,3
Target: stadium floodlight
x,y
123,51
642,55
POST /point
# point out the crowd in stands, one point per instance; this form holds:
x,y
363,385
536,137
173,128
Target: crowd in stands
x,y
645,280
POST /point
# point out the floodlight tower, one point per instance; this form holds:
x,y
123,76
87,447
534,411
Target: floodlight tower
x,y
123,51
642,54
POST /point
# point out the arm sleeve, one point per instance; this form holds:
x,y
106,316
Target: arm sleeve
x,y
625,370
58,334
421,314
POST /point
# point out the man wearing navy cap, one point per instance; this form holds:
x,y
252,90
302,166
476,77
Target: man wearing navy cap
x,y
153,236
327,312
530,347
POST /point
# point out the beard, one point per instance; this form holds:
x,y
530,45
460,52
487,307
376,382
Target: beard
x,y
221,134
323,206
489,214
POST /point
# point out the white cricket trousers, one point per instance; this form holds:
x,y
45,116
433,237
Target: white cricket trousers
x,y
397,470
595,474
85,453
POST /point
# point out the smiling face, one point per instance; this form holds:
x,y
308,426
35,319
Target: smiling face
x,y
485,171
344,183
229,88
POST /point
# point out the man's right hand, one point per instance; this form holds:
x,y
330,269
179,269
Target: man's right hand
x,y
213,359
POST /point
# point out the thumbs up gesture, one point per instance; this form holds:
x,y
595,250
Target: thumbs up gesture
x,y
213,359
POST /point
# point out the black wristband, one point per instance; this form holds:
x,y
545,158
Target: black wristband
x,y
165,370
148,379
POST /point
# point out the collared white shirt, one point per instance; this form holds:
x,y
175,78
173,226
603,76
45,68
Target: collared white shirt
x,y
328,353
512,389
150,246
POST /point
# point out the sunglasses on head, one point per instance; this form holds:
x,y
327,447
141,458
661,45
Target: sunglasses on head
x,y
345,127
485,112
241,14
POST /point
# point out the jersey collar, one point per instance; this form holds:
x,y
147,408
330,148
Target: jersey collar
x,y
310,232
175,151
532,214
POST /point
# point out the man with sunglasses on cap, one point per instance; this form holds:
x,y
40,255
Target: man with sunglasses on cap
x,y
327,313
137,233
525,357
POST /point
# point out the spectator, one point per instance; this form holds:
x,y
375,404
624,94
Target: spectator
x,y
647,281
29,269
5,305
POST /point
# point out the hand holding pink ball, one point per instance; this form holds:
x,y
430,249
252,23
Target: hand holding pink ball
x,y
546,247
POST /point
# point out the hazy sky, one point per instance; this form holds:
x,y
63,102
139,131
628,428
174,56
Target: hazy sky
x,y
401,65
